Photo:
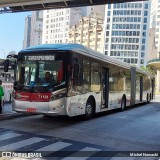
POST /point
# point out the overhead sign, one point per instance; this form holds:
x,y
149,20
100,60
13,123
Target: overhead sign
x,y
40,58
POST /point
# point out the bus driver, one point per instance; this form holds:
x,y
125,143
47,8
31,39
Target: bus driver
x,y
48,79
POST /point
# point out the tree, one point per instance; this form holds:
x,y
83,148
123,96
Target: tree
x,y
148,69
12,52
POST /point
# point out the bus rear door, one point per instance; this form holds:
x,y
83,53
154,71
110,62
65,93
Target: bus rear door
x,y
105,87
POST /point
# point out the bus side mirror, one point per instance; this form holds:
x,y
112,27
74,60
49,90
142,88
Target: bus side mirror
x,y
76,70
6,65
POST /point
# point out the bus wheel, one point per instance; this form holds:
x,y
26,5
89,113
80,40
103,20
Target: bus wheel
x,y
148,100
150,96
89,110
123,103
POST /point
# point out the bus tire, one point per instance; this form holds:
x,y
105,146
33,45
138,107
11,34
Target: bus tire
x,y
89,110
150,96
148,99
123,103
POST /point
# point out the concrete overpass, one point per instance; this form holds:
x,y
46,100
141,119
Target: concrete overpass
x,y
30,5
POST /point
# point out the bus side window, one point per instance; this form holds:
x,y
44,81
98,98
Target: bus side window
x,y
86,75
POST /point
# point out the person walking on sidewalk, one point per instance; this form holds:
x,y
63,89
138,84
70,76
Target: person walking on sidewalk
x,y
1,95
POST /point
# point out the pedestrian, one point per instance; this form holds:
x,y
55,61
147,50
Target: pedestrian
x,y
1,95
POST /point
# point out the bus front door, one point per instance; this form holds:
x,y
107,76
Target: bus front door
x,y
105,87
141,88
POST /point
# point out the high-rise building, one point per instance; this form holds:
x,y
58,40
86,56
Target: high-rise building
x,y
156,14
56,24
36,28
126,26
92,10
88,32
27,32
153,13
155,28
152,50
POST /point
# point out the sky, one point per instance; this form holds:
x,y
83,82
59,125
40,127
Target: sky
x,y
12,32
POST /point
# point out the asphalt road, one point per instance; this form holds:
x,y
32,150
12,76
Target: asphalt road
x,y
136,129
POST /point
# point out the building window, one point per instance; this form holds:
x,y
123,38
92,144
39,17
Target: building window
x,y
139,12
145,13
143,41
143,48
144,34
142,54
144,27
107,33
145,20
146,6
109,6
108,26
142,61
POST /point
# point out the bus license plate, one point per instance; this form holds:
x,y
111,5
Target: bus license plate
x,y
31,109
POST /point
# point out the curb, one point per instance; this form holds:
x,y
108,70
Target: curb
x,y
12,115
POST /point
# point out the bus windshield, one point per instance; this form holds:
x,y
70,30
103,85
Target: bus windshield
x,y
38,73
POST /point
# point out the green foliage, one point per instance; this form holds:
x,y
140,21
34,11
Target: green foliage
x,y
148,69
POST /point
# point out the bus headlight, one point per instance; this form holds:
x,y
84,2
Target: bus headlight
x,y
58,95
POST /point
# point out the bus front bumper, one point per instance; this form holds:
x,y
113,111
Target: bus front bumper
x,y
47,108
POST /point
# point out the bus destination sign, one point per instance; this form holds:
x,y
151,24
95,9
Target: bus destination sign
x,y
40,58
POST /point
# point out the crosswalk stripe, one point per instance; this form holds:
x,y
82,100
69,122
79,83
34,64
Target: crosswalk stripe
x,y
9,135
55,146
14,146
14,141
91,151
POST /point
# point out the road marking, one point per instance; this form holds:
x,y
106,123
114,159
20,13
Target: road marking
x,y
14,146
8,136
70,148
77,156
55,146
123,117
50,149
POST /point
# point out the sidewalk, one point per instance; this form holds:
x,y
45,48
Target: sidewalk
x,y
7,109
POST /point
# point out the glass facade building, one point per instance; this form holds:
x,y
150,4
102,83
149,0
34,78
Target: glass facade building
x,y
27,32
126,31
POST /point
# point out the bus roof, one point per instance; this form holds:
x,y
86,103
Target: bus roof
x,y
78,48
